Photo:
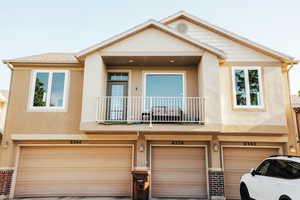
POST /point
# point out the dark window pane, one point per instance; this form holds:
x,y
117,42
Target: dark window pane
x,y
263,168
274,170
117,76
240,87
294,169
254,87
41,87
287,169
57,89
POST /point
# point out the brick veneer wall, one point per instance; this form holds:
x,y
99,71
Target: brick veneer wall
x,y
5,181
216,184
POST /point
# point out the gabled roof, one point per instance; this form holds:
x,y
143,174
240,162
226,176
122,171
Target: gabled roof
x,y
51,58
230,35
155,24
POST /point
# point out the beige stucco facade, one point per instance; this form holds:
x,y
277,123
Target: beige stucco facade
x,y
3,108
225,127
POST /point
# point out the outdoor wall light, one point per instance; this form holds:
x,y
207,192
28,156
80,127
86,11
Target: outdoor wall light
x,y
141,148
216,147
5,144
292,149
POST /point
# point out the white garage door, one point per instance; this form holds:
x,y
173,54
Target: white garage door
x,y
74,171
238,161
178,172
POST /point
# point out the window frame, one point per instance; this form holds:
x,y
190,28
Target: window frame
x,y
182,73
47,108
261,165
247,88
164,73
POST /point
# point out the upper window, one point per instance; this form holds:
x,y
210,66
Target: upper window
x,y
49,89
166,89
247,86
164,85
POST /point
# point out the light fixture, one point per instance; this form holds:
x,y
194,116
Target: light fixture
x,y
171,61
5,144
141,148
131,61
216,147
292,149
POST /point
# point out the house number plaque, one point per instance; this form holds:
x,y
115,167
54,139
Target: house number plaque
x,y
75,142
249,143
177,142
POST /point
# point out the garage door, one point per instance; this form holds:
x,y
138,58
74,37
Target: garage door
x,y
238,161
74,171
178,172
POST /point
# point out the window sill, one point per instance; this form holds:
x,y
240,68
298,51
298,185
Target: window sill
x,y
249,109
32,109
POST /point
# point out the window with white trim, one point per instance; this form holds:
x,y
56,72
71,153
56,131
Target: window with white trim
x,y
247,87
49,89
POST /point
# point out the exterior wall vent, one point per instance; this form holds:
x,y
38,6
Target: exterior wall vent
x,y
182,28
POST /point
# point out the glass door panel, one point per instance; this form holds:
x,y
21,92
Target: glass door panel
x,y
117,92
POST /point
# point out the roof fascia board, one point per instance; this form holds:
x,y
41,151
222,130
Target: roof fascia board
x,y
12,65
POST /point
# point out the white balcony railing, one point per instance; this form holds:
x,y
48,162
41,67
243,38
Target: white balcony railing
x,y
150,109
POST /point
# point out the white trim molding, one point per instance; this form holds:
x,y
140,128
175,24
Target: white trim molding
x,y
47,108
183,73
248,105
6,168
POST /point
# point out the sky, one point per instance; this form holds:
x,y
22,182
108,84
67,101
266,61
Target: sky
x,y
33,27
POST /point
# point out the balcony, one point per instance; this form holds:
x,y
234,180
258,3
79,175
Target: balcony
x,y
150,110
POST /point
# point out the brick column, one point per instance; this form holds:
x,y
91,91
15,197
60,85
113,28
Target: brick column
x,y
216,184
5,181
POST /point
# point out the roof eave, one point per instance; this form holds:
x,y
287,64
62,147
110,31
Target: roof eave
x,y
12,63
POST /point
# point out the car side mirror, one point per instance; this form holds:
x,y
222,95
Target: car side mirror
x,y
253,172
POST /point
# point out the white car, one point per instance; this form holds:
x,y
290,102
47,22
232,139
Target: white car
x,y
276,178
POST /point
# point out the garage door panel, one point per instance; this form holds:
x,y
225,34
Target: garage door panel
x,y
178,172
168,160
84,157
184,175
74,171
46,190
170,190
65,175
238,161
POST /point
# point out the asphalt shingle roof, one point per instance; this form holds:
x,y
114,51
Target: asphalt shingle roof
x,y
46,58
